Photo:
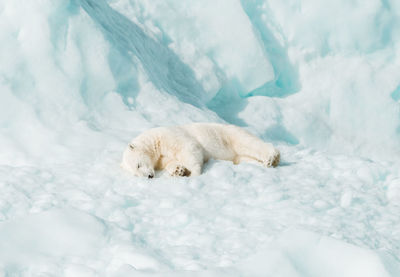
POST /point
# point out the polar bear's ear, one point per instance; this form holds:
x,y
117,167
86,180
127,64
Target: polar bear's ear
x,y
131,146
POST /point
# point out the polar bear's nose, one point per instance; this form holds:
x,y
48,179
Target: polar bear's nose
x,y
150,176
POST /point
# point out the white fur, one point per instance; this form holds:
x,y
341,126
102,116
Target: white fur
x,y
182,150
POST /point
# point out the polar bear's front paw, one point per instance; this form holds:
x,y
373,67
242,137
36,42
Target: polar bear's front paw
x,y
273,160
181,171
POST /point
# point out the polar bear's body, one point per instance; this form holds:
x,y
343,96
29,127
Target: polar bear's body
x,y
182,150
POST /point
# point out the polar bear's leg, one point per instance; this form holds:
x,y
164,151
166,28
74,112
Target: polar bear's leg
x,y
171,166
183,168
189,161
176,169
244,159
248,146
193,166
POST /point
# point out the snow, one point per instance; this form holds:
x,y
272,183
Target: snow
x,y
79,79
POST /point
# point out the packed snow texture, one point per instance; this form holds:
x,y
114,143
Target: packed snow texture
x,y
319,79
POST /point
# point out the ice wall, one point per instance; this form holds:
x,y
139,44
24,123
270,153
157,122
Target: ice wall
x,y
64,81
348,55
334,66
329,70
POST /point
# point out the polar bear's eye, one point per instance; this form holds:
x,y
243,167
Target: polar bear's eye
x,y
138,166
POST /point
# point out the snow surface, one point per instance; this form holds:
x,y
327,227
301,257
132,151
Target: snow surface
x,y
319,79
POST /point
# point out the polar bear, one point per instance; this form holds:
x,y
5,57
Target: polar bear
x,y
182,150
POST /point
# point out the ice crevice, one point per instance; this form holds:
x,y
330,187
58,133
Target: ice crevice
x,y
286,79
164,68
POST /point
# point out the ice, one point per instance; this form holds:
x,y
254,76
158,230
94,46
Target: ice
x,y
61,234
223,51
80,78
299,253
56,232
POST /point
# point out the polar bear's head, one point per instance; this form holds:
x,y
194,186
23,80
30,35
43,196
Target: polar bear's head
x,y
138,161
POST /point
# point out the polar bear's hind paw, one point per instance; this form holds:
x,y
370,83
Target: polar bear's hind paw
x,y
277,159
273,160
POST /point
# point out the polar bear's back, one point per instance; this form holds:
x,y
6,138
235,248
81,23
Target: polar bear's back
x,y
214,138
217,141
